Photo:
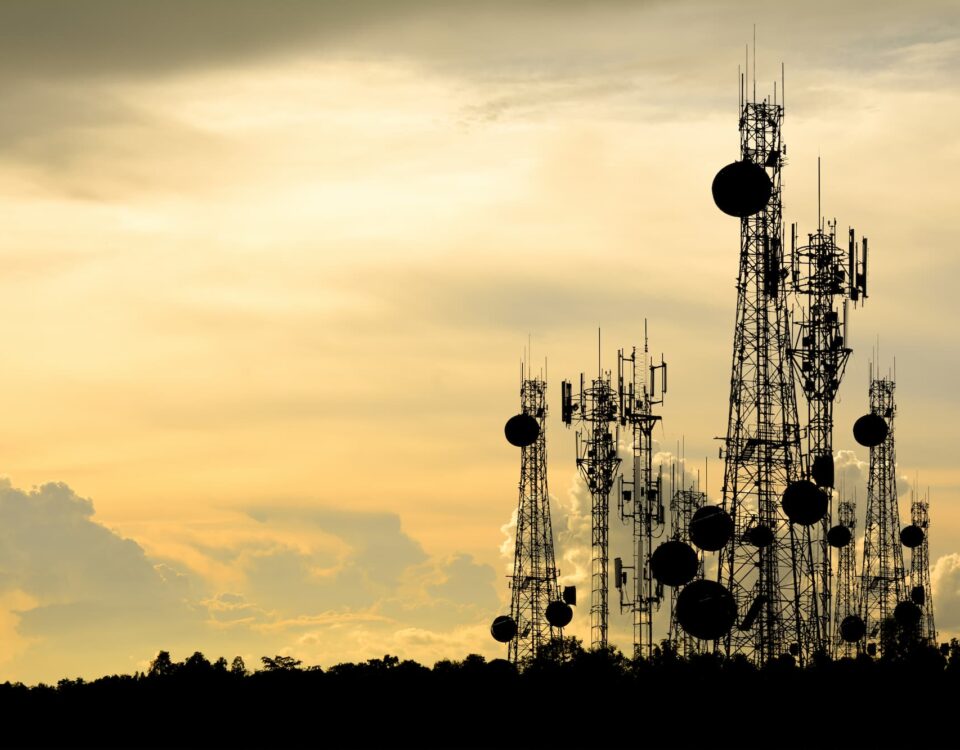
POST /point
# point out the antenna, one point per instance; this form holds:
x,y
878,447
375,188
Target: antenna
x,y
537,613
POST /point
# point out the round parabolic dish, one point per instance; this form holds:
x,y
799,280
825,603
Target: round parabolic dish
x,y
907,614
522,430
911,536
711,528
503,629
742,188
674,563
838,536
870,430
760,535
852,628
804,503
706,610
559,614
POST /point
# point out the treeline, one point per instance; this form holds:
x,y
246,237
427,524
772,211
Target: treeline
x,y
569,697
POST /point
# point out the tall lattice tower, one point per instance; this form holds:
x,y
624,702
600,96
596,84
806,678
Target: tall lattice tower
x,y
537,613
846,611
824,277
883,583
596,410
641,496
684,503
768,571
917,537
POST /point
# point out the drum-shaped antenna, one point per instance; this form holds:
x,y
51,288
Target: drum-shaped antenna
x,y
705,609
711,528
503,629
674,563
559,614
522,430
742,189
804,503
870,430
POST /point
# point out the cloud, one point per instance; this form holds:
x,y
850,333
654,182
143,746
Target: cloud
x,y
78,598
78,590
945,579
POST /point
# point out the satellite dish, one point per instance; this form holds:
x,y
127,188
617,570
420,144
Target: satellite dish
x,y
918,595
760,535
706,610
711,528
822,471
522,430
911,536
559,614
804,503
742,189
839,536
503,629
674,563
870,430
852,628
907,614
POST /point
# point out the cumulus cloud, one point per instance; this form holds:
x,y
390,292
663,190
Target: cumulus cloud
x,y
78,598
78,590
945,579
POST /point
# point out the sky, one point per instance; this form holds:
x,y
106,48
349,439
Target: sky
x,y
270,269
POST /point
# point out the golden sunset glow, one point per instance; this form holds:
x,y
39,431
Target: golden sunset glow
x,y
270,270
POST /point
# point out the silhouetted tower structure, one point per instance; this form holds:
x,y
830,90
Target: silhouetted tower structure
x,y
641,495
847,601
824,278
920,592
596,410
684,503
883,584
767,562
537,613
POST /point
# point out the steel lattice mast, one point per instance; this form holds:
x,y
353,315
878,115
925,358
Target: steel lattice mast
x,y
883,581
641,496
534,582
683,504
771,585
921,593
847,591
824,277
596,409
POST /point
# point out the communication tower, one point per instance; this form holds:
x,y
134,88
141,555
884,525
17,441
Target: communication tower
x,y
641,496
916,537
684,503
767,562
883,582
537,611
825,278
595,408
847,604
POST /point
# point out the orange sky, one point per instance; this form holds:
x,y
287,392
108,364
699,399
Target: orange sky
x,y
269,273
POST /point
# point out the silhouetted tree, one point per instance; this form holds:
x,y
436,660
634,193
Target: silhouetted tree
x,y
237,667
162,665
280,664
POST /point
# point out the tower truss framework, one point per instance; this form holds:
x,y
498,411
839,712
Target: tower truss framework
x,y
847,588
883,582
824,277
533,585
596,410
683,504
920,591
641,492
772,585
